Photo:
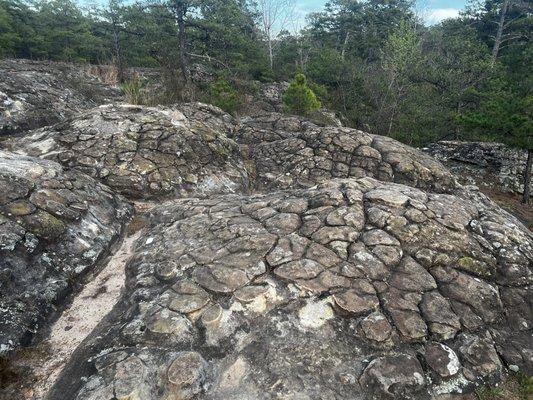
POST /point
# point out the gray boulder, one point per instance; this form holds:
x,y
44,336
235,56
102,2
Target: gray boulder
x,y
39,93
489,165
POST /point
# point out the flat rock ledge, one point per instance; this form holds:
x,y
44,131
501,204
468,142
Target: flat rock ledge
x,y
355,289
55,225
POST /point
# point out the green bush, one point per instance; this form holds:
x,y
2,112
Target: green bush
x,y
224,95
299,98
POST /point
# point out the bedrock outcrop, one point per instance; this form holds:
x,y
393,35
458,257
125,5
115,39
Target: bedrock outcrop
x,y
290,151
197,149
282,259
55,225
354,289
490,165
145,152
39,93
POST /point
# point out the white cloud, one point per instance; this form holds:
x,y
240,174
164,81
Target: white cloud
x,y
436,15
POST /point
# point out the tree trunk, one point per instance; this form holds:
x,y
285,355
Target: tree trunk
x,y
181,10
270,52
499,33
527,177
118,51
345,45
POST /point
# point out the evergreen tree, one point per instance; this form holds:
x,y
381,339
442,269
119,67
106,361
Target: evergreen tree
x,y
299,98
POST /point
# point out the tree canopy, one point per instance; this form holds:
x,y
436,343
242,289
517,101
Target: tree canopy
x,y
373,62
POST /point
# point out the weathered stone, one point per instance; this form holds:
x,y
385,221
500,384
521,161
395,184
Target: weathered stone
x,y
43,256
443,323
442,360
186,374
38,93
491,165
286,294
481,357
398,376
357,303
376,328
359,295
142,152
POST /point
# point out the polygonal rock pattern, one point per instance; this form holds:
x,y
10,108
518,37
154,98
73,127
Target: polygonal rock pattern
x,y
39,93
54,226
354,289
290,151
144,152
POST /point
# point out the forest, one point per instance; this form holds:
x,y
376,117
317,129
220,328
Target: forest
x,y
373,62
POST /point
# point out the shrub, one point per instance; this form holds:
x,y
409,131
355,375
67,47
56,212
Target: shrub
x,y
299,98
222,94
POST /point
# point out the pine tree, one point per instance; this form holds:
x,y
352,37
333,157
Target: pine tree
x,y
299,98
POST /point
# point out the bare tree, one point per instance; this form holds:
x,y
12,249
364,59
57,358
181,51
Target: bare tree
x,y
499,33
275,14
114,12
180,9
506,21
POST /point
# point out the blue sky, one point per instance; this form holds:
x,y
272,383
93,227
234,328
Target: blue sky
x,y
433,11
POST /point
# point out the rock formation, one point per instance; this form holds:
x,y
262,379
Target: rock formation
x,y
294,152
143,152
36,93
354,289
280,259
490,165
55,225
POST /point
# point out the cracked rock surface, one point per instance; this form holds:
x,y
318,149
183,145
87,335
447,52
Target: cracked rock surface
x,y
197,149
144,152
38,93
355,289
291,260
290,151
55,225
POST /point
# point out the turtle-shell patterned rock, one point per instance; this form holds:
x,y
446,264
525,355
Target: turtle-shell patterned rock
x,y
144,152
196,149
55,225
289,152
335,292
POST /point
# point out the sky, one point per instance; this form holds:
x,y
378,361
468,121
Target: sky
x,y
433,11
